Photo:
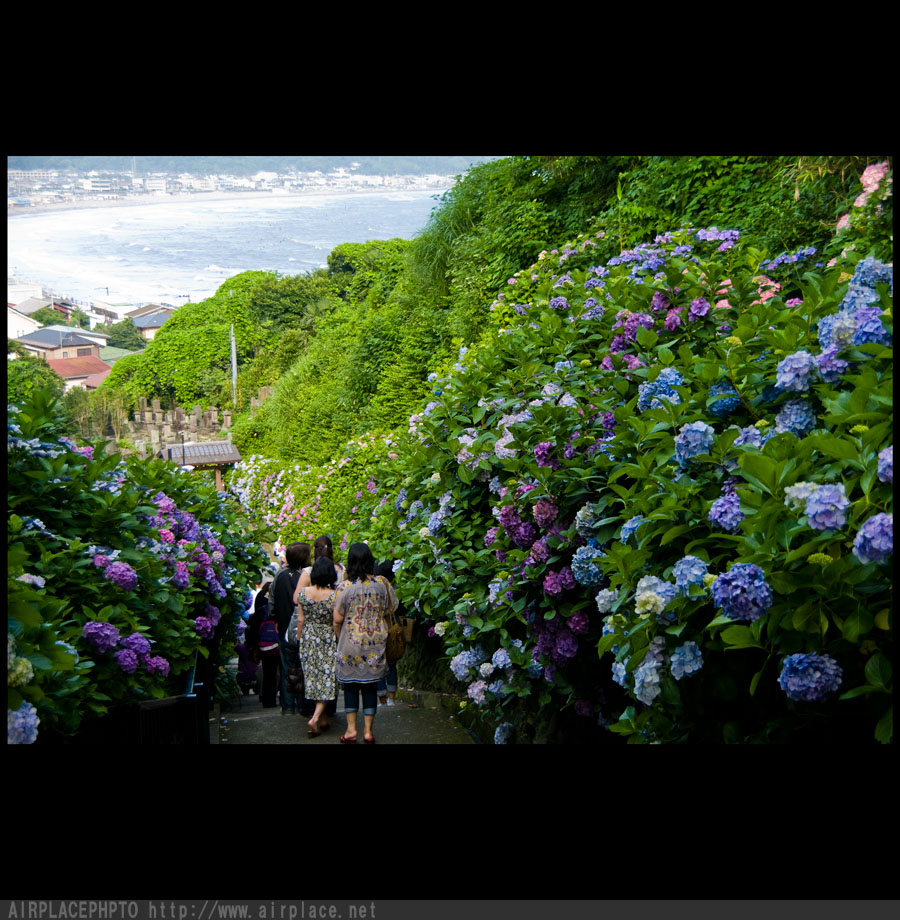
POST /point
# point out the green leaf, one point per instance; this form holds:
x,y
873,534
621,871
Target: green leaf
x,y
739,637
878,671
884,731
857,624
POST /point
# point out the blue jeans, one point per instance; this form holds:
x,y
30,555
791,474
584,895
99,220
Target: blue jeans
x,y
369,698
388,681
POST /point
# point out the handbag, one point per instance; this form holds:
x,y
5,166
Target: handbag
x,y
396,639
294,681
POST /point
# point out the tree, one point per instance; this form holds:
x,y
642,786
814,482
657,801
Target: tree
x,y
125,335
25,375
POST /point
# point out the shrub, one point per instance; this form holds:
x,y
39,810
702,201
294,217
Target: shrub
x,y
120,573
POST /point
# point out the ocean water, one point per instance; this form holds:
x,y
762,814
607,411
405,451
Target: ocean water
x,y
179,250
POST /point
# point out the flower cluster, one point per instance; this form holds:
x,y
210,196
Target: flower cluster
x,y
585,570
650,393
742,593
689,570
685,660
653,595
693,439
555,582
874,541
826,507
886,464
133,650
725,512
796,417
810,678
795,373
647,685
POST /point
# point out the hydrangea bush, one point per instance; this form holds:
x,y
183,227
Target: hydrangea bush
x,y
660,491
120,572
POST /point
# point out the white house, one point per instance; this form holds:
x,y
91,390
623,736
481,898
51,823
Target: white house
x,y
18,323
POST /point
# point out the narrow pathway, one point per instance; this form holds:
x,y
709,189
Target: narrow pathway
x,y
416,718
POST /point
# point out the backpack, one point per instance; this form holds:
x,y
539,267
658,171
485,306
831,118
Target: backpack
x,y
268,638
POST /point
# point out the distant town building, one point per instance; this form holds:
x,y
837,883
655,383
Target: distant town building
x,y
19,324
85,372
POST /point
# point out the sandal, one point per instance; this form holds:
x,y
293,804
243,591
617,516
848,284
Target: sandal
x,y
346,740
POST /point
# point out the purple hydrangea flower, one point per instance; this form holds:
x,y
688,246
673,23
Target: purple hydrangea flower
x,y
726,513
545,512
742,592
557,582
137,643
699,308
559,303
810,678
579,622
181,578
874,541
122,575
796,371
686,660
673,320
203,627
127,660
490,537
157,665
826,507
659,302
796,417
886,464
830,366
102,637
542,455
693,439
539,552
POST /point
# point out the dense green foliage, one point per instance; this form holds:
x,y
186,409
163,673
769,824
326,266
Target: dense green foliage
x,y
125,335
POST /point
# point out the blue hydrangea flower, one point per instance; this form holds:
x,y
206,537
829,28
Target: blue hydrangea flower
x,y
652,595
585,570
22,725
869,327
559,303
870,272
826,507
501,658
503,733
650,392
586,521
646,676
689,570
796,417
693,439
795,496
724,407
810,678
726,513
619,674
796,372
874,542
886,464
686,660
605,599
630,527
742,593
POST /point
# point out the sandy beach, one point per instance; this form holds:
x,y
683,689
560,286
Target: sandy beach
x,y
140,200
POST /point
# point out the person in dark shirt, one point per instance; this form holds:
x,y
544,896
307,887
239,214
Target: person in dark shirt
x,y
283,588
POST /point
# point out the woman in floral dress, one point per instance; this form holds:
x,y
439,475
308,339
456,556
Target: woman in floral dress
x,y
315,634
360,607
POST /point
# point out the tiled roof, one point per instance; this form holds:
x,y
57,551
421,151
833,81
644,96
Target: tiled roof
x,y
67,368
55,338
151,320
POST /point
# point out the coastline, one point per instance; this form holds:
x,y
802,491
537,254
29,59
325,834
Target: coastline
x,y
194,197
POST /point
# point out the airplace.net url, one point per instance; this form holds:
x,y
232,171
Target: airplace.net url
x,y
189,910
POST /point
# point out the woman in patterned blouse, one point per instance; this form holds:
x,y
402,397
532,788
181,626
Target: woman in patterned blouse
x,y
360,607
